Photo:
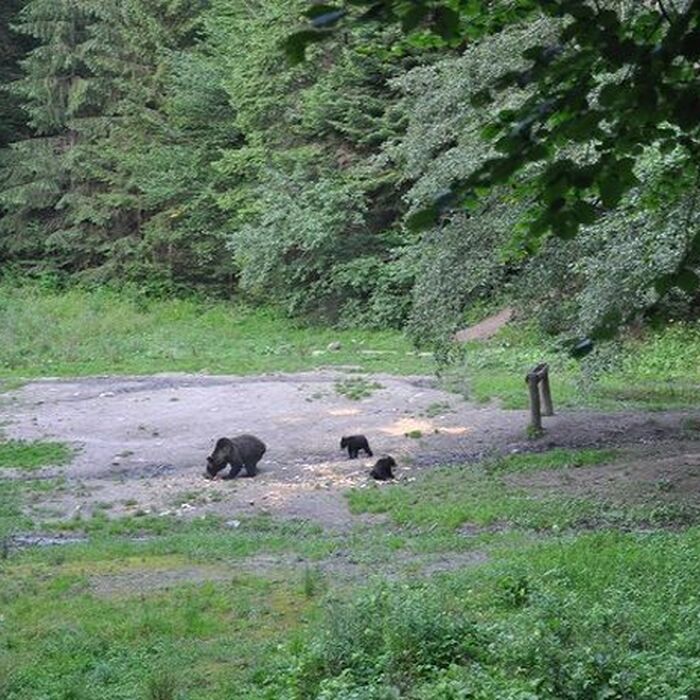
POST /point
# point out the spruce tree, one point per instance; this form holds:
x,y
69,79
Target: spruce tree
x,y
12,47
115,182
41,171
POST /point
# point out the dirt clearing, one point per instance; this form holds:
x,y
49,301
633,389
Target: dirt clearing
x,y
142,441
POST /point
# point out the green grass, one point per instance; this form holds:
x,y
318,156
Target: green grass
x,y
194,641
576,617
16,493
552,459
548,611
18,454
656,371
438,408
603,616
80,332
10,384
357,388
478,495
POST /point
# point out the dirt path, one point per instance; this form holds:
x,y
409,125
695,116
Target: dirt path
x,y
143,440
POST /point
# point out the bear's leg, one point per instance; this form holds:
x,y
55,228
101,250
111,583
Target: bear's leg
x,y
233,473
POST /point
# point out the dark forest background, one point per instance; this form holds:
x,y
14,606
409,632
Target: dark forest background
x,y
171,144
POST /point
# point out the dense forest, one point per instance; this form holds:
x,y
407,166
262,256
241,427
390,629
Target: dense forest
x,y
172,145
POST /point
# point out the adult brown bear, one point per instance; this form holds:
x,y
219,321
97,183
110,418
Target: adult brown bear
x,y
240,451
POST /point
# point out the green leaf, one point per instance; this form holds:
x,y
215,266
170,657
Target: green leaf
x,y
481,98
295,44
608,327
422,219
584,212
610,95
687,280
611,189
414,16
447,22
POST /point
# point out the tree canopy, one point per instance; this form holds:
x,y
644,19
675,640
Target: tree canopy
x,y
427,161
618,80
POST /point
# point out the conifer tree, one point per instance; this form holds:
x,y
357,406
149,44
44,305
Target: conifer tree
x,y
56,92
12,47
115,181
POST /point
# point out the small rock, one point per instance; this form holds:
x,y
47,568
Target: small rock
x,y
233,523
317,353
105,394
334,346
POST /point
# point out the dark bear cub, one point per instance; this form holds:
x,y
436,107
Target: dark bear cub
x,y
240,451
355,443
381,471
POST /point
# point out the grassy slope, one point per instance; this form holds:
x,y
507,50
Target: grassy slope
x,y
81,333
74,333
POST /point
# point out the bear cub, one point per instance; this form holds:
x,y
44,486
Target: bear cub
x,y
381,471
354,444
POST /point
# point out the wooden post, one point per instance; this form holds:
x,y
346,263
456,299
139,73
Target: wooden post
x,y
535,414
540,395
545,393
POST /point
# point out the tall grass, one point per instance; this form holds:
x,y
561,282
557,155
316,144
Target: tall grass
x,y
79,332
604,616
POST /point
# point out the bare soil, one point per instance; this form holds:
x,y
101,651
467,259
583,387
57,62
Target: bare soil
x,y
485,329
668,473
142,441
339,569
